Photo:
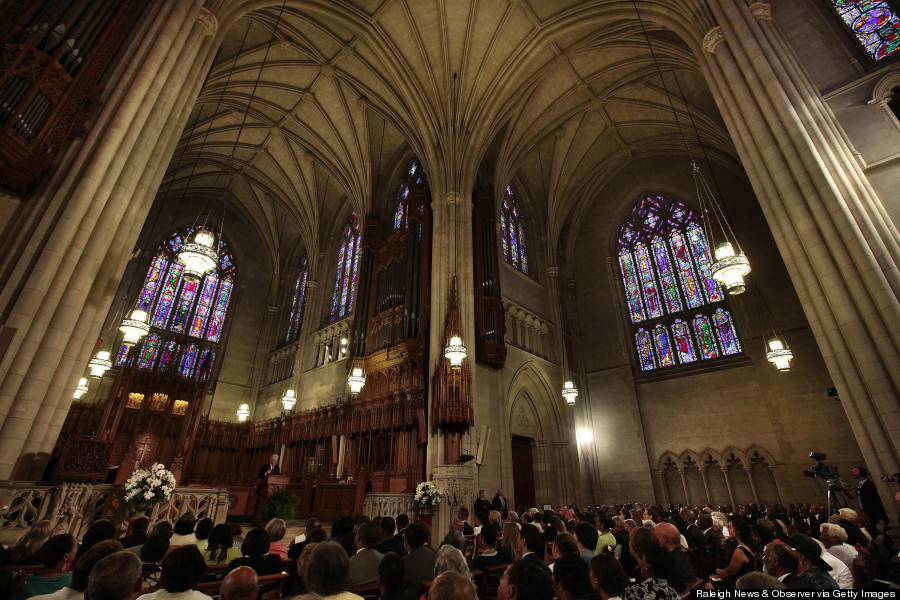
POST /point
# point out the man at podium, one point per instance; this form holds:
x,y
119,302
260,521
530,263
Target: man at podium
x,y
270,468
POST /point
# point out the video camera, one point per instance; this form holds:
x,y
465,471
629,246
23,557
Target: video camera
x,y
891,478
820,469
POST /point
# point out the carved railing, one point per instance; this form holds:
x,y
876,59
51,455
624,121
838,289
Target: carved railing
x,y
388,505
72,507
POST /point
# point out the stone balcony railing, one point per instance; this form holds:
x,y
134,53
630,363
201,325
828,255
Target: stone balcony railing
x,y
72,507
388,505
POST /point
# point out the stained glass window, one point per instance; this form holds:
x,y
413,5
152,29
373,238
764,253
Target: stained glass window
x,y
188,361
664,259
413,174
207,358
176,306
873,22
299,301
347,269
512,232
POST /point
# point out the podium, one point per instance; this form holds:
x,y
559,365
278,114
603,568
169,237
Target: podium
x,y
268,485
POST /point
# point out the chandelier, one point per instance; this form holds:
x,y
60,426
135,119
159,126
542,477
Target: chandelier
x,y
569,392
100,364
779,354
199,256
243,413
455,352
81,389
356,380
135,327
288,400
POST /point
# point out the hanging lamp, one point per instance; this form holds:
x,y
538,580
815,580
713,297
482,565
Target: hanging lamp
x,y
779,354
135,327
288,400
199,257
569,392
455,352
243,413
81,389
356,380
100,364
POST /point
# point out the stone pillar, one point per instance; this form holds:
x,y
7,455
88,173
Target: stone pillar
x,y
839,245
457,484
749,472
687,493
728,484
105,184
705,486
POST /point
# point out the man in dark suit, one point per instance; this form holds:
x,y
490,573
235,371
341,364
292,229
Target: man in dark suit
x,y
463,515
780,562
389,542
419,559
532,547
500,504
682,575
482,504
138,533
692,533
869,500
402,522
270,468
364,564
705,525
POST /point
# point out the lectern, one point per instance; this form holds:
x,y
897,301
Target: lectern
x,y
268,485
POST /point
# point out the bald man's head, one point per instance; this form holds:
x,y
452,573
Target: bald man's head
x,y
668,535
240,584
450,585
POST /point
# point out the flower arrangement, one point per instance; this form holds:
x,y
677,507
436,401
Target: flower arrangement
x,y
427,496
147,487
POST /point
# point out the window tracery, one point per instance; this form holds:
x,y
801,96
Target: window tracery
x,y
677,307
347,270
299,302
512,232
414,174
874,23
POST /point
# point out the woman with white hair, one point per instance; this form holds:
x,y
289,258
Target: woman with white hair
x,y
834,537
450,558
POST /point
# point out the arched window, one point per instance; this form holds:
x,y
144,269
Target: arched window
x,y
347,270
414,174
676,306
874,23
299,301
195,310
512,231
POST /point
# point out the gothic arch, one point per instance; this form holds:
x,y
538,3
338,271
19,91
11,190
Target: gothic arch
x,y
530,385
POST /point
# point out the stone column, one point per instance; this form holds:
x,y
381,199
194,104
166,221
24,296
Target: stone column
x,y
838,243
705,486
687,493
749,472
107,185
728,485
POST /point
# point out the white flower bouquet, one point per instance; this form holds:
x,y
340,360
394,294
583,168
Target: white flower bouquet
x,y
427,496
147,487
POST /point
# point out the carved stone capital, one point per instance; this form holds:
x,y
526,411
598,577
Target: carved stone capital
x,y
712,39
762,11
208,20
312,285
452,198
553,271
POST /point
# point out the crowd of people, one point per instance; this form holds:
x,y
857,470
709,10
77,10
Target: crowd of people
x,y
622,551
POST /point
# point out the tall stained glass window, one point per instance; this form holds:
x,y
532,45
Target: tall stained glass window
x,y
512,232
299,301
676,306
347,270
875,24
414,174
195,310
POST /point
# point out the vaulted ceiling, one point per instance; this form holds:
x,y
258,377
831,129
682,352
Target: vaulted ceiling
x,y
310,107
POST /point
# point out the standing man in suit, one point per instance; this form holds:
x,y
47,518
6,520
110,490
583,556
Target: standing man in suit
x,y
500,504
482,504
364,564
869,500
270,468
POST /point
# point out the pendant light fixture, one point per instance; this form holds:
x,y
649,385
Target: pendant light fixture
x,y
569,392
135,327
775,346
779,354
288,400
243,413
730,264
199,257
455,351
100,364
356,379
81,389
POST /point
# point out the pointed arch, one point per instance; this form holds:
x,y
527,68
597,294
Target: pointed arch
x,y
530,380
347,269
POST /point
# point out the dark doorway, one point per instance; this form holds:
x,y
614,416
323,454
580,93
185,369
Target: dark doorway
x,y
523,472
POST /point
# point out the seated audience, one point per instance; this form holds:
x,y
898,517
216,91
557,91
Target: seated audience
x,y
364,564
28,548
99,531
605,538
390,577
510,542
182,569
743,559
219,549
389,543
813,571
656,566
531,546
419,560
327,572
81,572
608,576
240,584
524,581
780,562
59,550
138,534
255,550
276,528
682,575
115,577
152,553
834,537
183,530
487,555
237,535
452,586
586,536
758,581
456,539
450,558
571,578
